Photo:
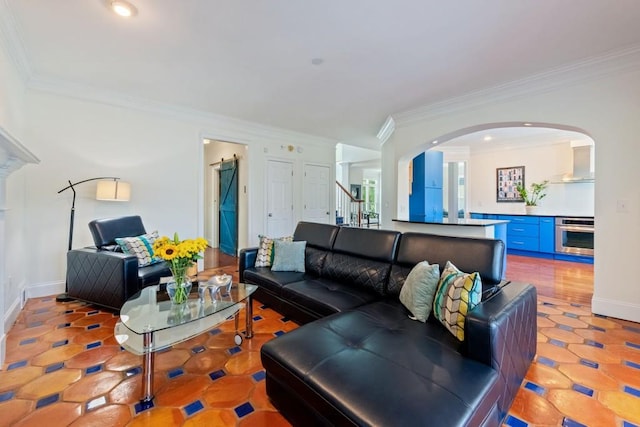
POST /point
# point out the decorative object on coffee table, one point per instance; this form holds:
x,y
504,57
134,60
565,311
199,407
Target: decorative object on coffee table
x,y
180,255
218,282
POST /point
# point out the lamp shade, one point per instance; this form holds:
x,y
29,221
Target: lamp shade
x,y
114,191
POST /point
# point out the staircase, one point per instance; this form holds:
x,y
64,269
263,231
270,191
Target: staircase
x,y
348,208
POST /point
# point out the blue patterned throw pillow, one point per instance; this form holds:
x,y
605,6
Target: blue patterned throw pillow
x,y
141,247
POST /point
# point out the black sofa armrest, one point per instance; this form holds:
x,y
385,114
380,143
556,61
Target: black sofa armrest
x,y
246,259
501,332
101,277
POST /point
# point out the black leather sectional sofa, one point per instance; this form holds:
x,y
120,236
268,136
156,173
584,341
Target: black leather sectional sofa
x,y
360,360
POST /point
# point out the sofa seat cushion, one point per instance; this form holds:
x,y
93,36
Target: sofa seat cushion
x,y
369,366
272,281
151,274
324,297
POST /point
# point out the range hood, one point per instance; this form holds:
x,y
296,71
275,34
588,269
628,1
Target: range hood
x,y
582,165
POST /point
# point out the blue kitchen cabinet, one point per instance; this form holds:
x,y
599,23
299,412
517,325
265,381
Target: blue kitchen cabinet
x,y
433,169
530,235
425,200
433,204
547,234
522,232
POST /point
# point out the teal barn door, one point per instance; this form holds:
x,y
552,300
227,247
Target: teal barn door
x,y
228,218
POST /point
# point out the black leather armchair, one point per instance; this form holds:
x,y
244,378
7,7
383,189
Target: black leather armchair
x,y
104,275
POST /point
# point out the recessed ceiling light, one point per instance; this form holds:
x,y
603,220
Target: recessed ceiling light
x,y
527,124
488,138
434,142
123,8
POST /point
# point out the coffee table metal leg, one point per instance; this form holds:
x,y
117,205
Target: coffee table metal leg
x,y
147,368
249,313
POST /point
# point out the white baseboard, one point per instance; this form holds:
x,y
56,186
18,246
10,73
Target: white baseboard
x,y
45,289
615,308
3,349
12,313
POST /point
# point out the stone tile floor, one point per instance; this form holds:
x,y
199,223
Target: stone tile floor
x,y
64,368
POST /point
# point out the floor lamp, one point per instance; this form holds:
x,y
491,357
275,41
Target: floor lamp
x,y
109,188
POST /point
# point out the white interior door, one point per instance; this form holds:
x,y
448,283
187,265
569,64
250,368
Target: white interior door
x,y
279,198
317,200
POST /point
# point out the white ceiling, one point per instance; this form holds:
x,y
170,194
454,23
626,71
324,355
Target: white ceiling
x,y
251,59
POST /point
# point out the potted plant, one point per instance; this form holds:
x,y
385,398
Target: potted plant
x,y
532,196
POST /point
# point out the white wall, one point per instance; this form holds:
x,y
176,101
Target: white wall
x,y
541,162
356,175
607,108
12,94
160,154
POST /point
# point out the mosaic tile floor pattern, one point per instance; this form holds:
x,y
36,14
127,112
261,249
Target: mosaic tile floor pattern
x,y
64,367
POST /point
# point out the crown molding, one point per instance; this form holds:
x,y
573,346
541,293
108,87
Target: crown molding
x,y
224,125
589,69
12,42
386,130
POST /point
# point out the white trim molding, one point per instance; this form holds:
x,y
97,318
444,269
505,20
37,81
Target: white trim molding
x,y
386,130
615,308
44,289
570,74
3,348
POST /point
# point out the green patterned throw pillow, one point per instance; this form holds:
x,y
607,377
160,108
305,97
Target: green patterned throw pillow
x,y
457,294
141,247
264,257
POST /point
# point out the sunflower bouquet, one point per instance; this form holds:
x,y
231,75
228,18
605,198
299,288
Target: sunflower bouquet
x,y
180,255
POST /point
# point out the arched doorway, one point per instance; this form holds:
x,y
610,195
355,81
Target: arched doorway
x,y
545,150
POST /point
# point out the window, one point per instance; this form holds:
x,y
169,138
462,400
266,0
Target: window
x,y
454,187
369,195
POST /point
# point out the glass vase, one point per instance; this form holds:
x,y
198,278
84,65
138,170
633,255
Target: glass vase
x,y
178,289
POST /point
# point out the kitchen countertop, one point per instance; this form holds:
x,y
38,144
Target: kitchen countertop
x,y
524,214
459,222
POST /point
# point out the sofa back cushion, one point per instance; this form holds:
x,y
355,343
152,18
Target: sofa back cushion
x,y
319,238
362,257
469,254
105,231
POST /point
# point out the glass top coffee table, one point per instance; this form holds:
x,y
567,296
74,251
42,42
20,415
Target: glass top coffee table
x,y
149,322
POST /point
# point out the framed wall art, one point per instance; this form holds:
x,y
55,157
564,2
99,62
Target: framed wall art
x,y
506,181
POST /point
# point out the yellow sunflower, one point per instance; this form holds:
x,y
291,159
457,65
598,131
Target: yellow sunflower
x,y
167,252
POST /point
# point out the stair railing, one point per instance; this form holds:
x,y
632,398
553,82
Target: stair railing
x,y
348,208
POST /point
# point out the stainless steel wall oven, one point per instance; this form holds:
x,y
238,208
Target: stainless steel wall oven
x,y
574,235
